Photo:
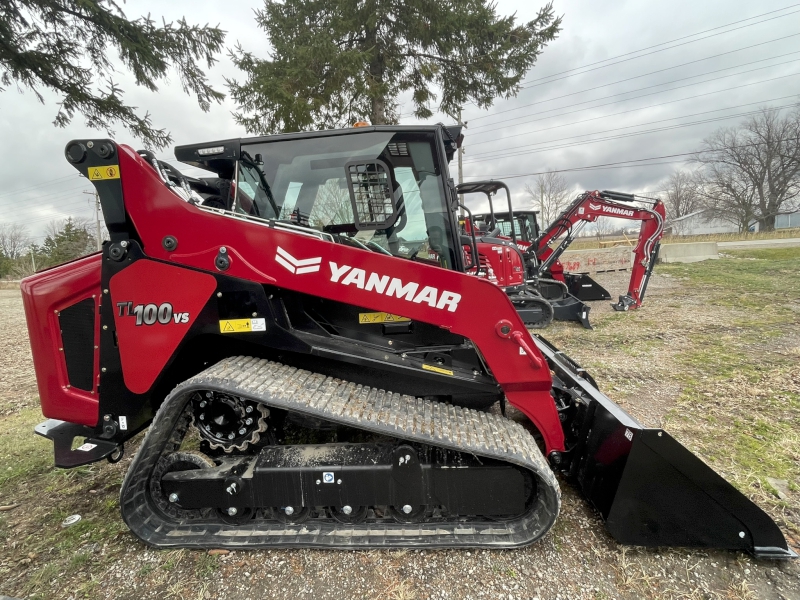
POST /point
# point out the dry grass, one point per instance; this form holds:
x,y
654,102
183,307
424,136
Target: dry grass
x,y
590,243
713,354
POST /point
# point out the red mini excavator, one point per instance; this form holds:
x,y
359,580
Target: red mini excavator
x,y
542,259
308,378
505,259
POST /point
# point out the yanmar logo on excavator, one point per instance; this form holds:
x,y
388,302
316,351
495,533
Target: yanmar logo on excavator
x,y
372,282
617,211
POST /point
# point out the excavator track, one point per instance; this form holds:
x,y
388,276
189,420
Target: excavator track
x,y
414,420
533,309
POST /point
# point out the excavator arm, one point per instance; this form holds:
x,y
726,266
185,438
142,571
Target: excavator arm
x,y
587,208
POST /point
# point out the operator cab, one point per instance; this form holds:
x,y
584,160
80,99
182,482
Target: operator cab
x,y
525,224
385,189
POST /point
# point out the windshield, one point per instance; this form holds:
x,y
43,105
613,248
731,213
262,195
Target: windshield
x,y
525,226
306,181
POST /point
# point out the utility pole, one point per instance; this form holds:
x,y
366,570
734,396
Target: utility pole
x,y
460,163
97,220
98,234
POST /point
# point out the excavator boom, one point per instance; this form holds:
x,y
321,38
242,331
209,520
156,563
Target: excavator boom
x,y
590,206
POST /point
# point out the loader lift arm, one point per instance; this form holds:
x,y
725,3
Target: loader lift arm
x,y
587,208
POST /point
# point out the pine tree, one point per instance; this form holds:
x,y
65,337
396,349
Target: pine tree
x,y
335,61
69,241
64,45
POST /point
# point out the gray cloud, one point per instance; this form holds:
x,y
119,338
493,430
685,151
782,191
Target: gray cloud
x,y
40,186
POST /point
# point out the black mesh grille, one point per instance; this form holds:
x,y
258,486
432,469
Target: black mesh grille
x,y
371,194
77,335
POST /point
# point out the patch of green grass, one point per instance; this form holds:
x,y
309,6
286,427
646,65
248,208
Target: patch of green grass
x,y
770,254
79,559
740,402
41,578
24,453
206,565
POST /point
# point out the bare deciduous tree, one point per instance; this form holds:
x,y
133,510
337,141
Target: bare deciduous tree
x,y
604,226
753,172
14,240
550,194
728,195
682,195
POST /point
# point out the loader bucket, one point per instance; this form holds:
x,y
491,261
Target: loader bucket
x,y
651,490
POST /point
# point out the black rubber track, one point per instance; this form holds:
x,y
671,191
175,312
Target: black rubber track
x,y
159,524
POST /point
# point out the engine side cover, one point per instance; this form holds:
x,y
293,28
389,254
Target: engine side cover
x,y
154,306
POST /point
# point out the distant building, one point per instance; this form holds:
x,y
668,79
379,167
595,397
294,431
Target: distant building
x,y
786,221
698,223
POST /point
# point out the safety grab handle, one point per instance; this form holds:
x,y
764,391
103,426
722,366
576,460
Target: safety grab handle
x,y
518,337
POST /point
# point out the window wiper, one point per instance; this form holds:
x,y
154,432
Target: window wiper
x,y
248,160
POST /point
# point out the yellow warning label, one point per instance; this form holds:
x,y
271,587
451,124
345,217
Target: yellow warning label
x,y
235,326
380,317
98,173
437,369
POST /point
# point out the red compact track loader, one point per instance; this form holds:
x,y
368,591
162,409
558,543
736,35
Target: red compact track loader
x,y
310,379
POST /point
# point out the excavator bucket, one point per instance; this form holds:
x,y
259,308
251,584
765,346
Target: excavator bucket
x,y
650,489
585,288
569,308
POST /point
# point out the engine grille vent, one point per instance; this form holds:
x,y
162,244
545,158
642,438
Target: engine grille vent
x,y
77,336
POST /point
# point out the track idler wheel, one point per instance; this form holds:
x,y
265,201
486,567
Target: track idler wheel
x,y
291,514
349,514
170,463
407,513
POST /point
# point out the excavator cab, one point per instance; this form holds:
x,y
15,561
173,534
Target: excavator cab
x,y
538,300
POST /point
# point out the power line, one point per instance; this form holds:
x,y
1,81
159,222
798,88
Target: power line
x,y
639,76
43,184
59,194
505,137
577,170
664,43
42,218
622,162
531,85
628,126
631,134
655,93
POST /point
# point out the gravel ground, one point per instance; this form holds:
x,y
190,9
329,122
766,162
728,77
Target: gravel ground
x,y
576,560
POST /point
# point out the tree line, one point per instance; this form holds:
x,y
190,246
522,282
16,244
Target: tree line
x,y
743,175
63,241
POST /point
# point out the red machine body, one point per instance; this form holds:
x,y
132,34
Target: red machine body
x,y
512,355
245,323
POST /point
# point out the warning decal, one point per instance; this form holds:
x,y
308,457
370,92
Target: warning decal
x,y
99,173
437,369
380,317
242,325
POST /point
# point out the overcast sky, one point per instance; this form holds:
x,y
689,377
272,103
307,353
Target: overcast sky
x,y
625,81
